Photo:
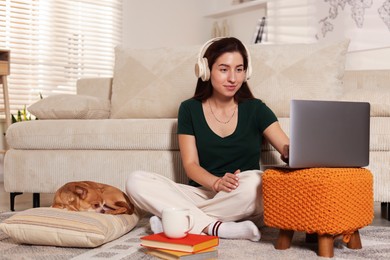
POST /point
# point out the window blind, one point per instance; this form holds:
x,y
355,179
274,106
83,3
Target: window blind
x,y
291,21
54,43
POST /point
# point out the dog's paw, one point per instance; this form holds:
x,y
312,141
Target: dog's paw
x,y
117,211
119,207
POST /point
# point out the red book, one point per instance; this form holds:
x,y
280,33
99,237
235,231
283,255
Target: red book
x,y
190,243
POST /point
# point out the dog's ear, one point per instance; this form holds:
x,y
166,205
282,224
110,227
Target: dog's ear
x,y
81,192
130,206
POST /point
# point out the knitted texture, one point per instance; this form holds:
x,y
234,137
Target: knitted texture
x,y
318,200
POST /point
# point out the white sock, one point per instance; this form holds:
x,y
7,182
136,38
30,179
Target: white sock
x,y
235,230
156,224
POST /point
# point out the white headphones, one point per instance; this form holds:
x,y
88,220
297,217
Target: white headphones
x,y
202,66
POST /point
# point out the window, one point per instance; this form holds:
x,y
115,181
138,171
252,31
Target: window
x,y
54,43
291,21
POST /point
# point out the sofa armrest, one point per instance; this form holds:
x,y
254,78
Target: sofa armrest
x,y
96,87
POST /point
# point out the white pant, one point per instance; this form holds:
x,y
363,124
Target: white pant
x,y
153,192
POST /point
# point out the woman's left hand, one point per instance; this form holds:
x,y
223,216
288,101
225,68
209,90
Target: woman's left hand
x,y
228,182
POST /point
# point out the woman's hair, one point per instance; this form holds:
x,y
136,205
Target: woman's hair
x,y
204,89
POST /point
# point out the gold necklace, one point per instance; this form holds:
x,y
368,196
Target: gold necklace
x,y
219,121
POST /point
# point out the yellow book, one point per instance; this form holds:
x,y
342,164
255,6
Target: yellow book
x,y
210,253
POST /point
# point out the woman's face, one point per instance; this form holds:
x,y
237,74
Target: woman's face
x,y
228,74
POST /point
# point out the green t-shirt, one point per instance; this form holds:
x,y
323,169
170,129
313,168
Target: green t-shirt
x,y
240,150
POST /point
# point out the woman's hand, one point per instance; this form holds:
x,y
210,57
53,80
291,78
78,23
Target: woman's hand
x,y
285,153
227,183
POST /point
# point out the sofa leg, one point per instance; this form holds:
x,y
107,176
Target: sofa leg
x,y
12,196
385,210
388,211
36,200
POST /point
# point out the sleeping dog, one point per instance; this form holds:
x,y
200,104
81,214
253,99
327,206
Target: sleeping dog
x,y
92,196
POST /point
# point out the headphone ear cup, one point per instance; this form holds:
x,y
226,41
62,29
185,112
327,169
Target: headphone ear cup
x,y
198,69
248,72
206,70
202,69
249,68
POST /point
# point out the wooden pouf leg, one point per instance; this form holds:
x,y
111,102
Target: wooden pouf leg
x,y
284,239
354,242
325,245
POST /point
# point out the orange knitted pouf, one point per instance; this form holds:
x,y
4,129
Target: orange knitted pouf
x,y
323,201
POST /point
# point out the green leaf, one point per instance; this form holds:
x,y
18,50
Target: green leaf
x,y
13,119
19,118
24,113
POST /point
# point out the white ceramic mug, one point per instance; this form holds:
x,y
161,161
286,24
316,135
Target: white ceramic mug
x,y
177,222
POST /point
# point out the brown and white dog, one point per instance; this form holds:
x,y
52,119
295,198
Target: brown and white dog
x,y
92,196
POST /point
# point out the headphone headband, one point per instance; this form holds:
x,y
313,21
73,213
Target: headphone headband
x,y
201,67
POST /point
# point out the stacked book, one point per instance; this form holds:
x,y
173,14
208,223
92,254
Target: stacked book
x,y
191,247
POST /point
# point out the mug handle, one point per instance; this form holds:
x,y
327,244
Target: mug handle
x,y
191,223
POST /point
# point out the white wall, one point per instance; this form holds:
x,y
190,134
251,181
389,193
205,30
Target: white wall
x,y
242,25
156,23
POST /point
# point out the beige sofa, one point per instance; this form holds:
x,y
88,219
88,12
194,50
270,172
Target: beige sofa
x,y
117,125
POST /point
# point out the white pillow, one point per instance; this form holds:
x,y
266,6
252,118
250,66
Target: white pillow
x,y
297,71
66,106
151,83
59,227
379,100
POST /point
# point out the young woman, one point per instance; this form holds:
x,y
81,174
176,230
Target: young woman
x,y
220,132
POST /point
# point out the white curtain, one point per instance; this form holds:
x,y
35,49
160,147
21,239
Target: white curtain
x,y
55,42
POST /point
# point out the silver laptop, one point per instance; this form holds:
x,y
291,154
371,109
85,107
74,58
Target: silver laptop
x,y
329,134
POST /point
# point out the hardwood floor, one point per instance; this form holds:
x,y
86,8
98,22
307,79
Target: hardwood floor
x,y
25,201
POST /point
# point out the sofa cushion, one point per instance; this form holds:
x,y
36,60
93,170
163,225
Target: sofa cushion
x,y
95,87
132,134
297,71
378,99
150,83
65,106
58,227
104,134
370,86
50,169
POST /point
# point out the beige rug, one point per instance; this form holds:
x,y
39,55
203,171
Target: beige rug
x,y
375,240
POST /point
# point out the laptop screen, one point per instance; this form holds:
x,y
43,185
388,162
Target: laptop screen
x,y
329,134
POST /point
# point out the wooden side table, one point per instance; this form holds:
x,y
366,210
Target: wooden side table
x,y
5,109
4,72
